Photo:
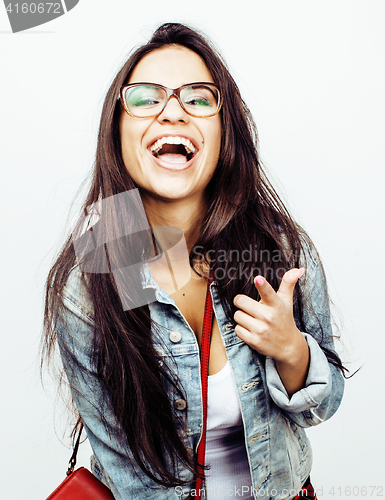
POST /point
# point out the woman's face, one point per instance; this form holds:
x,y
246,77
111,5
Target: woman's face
x,y
171,177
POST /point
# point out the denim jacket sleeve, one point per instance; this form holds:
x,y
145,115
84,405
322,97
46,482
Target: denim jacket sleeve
x,y
75,333
324,385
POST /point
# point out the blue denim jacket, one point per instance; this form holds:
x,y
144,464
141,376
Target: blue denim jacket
x,y
278,450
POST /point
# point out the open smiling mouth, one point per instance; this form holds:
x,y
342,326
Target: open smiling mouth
x,y
176,150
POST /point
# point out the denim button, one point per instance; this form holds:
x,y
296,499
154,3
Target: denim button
x,y
180,404
175,336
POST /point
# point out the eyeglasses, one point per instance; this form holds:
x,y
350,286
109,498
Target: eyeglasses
x,y
147,100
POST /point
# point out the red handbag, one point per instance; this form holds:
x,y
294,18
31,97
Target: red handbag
x,y
80,484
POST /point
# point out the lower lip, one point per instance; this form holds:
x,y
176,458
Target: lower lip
x,y
173,166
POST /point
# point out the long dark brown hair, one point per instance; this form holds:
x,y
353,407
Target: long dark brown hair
x,y
244,212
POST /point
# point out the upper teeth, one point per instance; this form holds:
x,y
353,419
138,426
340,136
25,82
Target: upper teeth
x,y
173,140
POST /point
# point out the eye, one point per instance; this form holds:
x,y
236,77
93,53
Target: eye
x,y
145,101
143,96
201,97
198,101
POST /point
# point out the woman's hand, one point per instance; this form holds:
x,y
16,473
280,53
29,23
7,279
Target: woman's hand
x,y
268,326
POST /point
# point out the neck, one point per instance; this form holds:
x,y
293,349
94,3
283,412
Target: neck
x,y
186,215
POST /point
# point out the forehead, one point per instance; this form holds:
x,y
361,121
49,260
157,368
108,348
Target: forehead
x,y
171,66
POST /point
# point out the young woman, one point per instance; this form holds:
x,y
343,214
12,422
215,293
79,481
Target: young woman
x,y
179,211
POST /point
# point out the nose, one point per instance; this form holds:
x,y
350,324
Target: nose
x,y
173,112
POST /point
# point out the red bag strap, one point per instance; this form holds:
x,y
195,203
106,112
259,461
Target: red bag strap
x,y
205,355
72,462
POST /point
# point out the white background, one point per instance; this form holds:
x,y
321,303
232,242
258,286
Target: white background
x,y
313,76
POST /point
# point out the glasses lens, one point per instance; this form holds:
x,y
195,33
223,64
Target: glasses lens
x,y
144,100
200,100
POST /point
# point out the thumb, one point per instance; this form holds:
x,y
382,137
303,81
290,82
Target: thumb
x,y
290,278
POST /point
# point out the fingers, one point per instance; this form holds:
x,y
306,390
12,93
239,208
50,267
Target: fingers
x,y
253,324
247,337
250,306
286,288
266,291
259,338
268,325
270,300
289,280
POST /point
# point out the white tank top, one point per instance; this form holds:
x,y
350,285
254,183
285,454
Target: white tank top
x,y
225,442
